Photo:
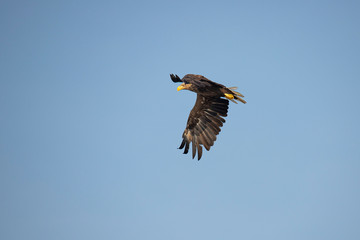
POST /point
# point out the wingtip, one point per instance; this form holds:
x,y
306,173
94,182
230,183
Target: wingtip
x,y
175,78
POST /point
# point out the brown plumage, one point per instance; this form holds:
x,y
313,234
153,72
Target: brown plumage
x,y
207,116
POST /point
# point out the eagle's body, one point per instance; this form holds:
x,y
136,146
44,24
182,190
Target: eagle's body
x,y
206,117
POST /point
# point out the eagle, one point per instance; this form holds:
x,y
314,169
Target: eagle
x,y
207,116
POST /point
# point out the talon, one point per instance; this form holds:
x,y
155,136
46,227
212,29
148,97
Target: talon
x,y
229,96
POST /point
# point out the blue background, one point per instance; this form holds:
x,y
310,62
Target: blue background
x,y
90,121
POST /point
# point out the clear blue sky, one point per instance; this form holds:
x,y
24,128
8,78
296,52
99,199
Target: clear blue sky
x,y
90,121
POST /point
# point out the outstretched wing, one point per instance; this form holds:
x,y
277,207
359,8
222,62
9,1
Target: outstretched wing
x,y
204,124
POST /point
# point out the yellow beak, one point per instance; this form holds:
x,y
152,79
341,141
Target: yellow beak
x,y
180,87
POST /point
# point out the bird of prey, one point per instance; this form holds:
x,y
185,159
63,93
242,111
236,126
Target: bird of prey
x,y
206,117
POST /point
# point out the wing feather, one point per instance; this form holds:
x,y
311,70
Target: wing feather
x,y
186,147
175,78
193,148
199,148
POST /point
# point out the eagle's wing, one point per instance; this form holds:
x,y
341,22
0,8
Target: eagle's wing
x,y
175,78
204,124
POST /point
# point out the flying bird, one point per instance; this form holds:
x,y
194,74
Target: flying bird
x,y
207,116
